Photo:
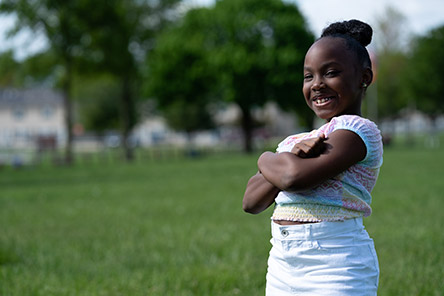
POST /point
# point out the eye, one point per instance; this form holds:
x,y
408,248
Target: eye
x,y
308,77
332,73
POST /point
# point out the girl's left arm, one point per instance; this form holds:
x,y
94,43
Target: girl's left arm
x,y
287,171
259,194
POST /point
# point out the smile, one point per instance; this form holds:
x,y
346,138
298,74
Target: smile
x,y
320,101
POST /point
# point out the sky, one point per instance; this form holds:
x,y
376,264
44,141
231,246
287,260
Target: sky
x,y
421,16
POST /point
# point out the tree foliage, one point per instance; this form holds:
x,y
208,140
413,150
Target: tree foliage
x,y
425,76
179,76
9,76
120,32
97,100
38,70
246,52
61,23
101,35
391,28
392,97
391,63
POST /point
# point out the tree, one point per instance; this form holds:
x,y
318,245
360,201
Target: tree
x,y
102,35
246,52
179,77
424,73
8,70
41,69
38,70
391,27
390,72
391,39
97,98
121,32
60,22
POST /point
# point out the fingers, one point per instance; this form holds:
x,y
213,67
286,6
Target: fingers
x,y
311,147
321,138
302,149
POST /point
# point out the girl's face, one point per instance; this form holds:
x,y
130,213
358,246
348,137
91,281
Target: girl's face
x,y
333,79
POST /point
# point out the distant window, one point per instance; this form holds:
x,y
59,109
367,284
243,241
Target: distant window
x,y
18,113
47,112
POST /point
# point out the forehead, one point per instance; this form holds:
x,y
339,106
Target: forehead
x,y
329,49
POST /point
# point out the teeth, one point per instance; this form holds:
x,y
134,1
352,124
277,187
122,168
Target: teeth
x,y
322,100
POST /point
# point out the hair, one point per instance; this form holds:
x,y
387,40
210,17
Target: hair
x,y
357,36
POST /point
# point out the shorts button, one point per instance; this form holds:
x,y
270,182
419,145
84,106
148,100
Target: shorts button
x,y
284,233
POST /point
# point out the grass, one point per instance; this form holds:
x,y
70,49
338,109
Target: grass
x,y
407,222
175,227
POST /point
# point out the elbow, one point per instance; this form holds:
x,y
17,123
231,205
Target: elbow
x,y
253,205
250,210
250,207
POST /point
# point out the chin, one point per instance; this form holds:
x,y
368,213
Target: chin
x,y
325,115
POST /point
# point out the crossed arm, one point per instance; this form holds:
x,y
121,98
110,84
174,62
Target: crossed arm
x,y
310,163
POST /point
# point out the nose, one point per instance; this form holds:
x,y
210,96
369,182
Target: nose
x,y
317,84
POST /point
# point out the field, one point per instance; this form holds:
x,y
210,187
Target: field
x,y
176,227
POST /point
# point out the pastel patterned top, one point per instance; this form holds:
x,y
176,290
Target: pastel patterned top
x,y
345,196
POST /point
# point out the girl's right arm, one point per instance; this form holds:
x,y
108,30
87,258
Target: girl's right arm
x,y
259,194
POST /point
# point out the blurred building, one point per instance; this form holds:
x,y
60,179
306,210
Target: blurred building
x,y
270,121
31,118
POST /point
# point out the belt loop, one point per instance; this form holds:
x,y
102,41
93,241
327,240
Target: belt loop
x,y
308,231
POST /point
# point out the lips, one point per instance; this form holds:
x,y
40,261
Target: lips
x,y
321,101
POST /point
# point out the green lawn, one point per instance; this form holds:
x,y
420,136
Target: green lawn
x,y
175,227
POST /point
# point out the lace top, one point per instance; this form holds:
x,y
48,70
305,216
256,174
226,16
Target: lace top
x,y
345,196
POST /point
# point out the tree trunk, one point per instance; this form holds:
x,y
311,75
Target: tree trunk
x,y
247,128
67,104
126,111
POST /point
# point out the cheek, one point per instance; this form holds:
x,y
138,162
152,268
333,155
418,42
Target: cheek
x,y
342,89
348,91
306,92
350,87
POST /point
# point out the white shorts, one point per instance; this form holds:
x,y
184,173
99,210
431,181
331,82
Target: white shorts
x,y
326,258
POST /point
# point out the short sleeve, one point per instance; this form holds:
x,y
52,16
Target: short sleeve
x,y
283,145
367,131
287,144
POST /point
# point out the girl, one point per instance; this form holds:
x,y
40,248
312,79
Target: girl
x,y
321,181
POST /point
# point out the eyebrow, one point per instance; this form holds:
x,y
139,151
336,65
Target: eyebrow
x,y
324,65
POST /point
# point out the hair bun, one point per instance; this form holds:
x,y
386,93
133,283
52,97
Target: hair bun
x,y
358,30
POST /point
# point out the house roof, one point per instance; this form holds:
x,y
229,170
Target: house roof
x,y
29,97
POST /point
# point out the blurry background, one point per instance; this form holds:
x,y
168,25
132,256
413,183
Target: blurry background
x,y
88,77
129,129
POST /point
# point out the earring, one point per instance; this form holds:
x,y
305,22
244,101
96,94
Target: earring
x,y
364,85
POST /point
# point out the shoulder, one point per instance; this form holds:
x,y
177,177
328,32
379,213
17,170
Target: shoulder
x,y
362,126
289,141
352,122
366,129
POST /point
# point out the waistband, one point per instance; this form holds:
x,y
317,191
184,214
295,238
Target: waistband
x,y
311,212
318,230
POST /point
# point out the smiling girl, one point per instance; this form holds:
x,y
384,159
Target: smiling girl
x,y
321,181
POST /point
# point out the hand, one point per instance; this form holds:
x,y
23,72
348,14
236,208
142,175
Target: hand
x,y
310,148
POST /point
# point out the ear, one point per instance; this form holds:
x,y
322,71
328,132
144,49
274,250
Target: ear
x,y
367,76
